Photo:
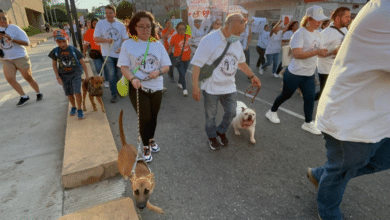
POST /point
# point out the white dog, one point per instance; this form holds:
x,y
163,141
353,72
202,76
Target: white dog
x,y
245,119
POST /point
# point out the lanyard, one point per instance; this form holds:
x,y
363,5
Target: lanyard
x,y
143,61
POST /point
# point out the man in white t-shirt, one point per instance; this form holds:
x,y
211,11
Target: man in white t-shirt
x,y
221,85
332,37
353,112
110,34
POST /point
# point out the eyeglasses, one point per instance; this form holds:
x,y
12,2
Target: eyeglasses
x,y
181,29
3,18
144,27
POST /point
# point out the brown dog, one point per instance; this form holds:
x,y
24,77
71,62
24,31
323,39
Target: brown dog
x,y
142,182
94,86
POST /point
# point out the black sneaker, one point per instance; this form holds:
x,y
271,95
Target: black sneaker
x,y
224,140
39,96
214,144
22,101
113,99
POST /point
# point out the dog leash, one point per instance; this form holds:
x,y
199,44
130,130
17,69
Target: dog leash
x,y
105,61
250,90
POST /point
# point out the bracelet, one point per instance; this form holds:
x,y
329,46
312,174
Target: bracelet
x,y
250,77
159,70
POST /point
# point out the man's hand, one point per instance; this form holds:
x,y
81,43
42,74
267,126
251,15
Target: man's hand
x,y
256,82
196,93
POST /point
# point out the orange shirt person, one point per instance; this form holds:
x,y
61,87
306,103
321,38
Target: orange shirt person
x,y
181,55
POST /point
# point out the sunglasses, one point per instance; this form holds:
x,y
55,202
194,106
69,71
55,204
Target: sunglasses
x,y
3,18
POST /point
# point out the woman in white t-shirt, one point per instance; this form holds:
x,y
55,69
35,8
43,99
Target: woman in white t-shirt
x,y
273,48
306,45
14,57
262,45
146,77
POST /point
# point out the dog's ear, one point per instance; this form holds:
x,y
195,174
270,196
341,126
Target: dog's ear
x,y
150,176
243,109
92,79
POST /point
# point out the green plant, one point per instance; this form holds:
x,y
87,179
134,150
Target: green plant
x,y
31,31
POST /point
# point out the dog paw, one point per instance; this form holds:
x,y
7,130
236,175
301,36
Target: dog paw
x,y
253,141
237,133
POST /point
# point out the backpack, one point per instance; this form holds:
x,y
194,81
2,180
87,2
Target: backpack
x,y
72,51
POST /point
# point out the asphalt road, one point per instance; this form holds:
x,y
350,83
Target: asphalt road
x,y
244,181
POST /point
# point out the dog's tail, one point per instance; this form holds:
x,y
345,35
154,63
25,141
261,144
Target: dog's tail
x,y
122,134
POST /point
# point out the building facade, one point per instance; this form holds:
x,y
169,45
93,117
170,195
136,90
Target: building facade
x,y
24,13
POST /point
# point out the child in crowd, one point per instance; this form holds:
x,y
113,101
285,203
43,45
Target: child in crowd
x,y
69,70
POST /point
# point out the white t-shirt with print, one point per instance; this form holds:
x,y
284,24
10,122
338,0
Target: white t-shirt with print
x,y
12,50
354,105
263,39
308,41
222,81
287,35
274,43
132,53
332,40
115,31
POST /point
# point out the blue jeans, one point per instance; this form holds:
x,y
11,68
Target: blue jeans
x,y
274,59
290,83
98,66
346,160
114,74
182,67
172,67
229,105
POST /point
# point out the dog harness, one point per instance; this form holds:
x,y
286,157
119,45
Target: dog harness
x,y
95,91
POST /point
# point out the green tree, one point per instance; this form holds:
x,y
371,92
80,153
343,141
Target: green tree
x,y
124,10
90,16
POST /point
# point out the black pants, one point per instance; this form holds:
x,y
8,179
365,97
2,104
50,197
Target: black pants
x,y
261,59
149,106
322,78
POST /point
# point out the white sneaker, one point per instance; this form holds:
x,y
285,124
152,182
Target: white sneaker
x,y
179,86
273,117
275,75
261,71
106,84
185,92
310,127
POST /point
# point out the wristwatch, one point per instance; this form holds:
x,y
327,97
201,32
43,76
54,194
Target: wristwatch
x,y
250,77
159,70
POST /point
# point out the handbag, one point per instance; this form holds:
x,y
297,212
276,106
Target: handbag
x,y
178,59
95,54
123,84
207,70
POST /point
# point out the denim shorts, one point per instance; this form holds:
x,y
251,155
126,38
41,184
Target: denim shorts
x,y
71,83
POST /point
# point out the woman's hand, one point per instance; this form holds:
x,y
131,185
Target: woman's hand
x,y
322,52
154,74
136,83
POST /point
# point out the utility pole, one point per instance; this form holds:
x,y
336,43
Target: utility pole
x,y
74,13
55,15
68,13
45,11
51,15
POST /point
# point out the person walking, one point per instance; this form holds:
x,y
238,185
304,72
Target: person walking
x,y
273,49
145,77
181,54
13,55
221,87
262,44
110,34
215,25
353,112
167,33
306,45
333,36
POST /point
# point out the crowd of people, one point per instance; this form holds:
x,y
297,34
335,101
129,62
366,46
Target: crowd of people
x,y
352,115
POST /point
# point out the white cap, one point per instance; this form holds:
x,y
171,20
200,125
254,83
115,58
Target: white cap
x,y
316,12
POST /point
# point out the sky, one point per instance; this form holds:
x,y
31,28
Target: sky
x,y
85,4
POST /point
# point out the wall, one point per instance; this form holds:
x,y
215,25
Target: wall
x,y
16,9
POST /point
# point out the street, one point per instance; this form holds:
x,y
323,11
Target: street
x,y
266,180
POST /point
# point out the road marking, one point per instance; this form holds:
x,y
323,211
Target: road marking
x,y
270,104
43,59
4,99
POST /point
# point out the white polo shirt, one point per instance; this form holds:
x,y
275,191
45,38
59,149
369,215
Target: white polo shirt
x,y
115,31
222,81
355,104
308,41
11,50
332,40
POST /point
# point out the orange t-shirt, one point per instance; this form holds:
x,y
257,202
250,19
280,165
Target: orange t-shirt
x,y
166,43
89,37
177,41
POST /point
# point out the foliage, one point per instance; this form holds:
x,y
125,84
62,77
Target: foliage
x,y
115,2
175,13
90,16
59,13
124,10
30,31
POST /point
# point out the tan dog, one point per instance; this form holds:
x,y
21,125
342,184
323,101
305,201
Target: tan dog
x,y
245,119
142,183
94,86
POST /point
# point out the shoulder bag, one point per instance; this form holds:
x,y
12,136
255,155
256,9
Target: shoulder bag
x,y
207,70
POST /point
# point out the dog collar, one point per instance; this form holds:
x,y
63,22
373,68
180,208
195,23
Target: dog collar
x,y
135,38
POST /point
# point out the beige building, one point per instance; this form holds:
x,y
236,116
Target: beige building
x,y
24,13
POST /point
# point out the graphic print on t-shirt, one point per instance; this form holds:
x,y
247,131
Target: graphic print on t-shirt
x,y
229,64
67,61
315,45
186,47
150,64
113,33
5,44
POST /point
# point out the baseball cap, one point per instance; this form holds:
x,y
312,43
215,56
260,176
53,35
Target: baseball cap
x,y
316,12
60,35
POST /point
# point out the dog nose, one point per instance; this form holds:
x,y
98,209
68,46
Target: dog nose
x,y
141,205
250,117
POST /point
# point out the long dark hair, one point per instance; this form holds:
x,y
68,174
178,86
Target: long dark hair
x,y
92,20
290,27
137,17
